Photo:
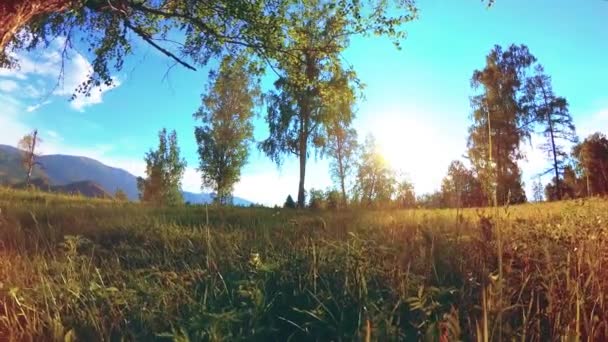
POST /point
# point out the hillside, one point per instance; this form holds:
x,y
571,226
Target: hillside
x,y
76,171
84,188
11,170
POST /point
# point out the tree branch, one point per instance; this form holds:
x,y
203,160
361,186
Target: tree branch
x,y
150,41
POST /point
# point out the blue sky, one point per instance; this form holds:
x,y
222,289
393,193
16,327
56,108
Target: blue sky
x,y
416,100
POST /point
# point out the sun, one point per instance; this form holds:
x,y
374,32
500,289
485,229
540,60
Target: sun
x,y
402,142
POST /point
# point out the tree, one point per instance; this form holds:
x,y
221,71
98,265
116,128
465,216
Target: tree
x,y
334,199
592,157
289,203
164,170
120,195
316,199
341,147
226,131
28,145
431,201
558,190
109,28
311,88
537,190
552,112
312,83
460,188
405,195
375,179
501,121
574,181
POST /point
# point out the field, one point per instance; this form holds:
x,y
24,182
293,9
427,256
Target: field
x,y
79,269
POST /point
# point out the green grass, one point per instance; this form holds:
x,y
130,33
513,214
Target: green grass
x,y
79,269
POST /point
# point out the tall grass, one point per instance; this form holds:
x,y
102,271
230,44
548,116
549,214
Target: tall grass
x,y
78,269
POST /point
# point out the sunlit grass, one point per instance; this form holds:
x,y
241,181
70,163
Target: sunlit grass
x,y
74,268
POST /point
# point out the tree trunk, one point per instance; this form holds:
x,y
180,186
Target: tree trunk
x,y
341,172
301,194
549,110
15,14
30,162
555,168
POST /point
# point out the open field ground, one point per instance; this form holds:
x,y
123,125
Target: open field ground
x,y
80,269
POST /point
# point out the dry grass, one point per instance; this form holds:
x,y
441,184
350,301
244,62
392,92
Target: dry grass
x,y
78,269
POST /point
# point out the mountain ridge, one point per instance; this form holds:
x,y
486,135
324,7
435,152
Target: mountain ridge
x,y
63,169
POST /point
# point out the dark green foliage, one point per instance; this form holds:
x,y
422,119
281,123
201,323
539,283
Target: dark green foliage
x,y
552,113
592,158
316,199
289,203
226,131
334,200
314,90
164,170
461,188
501,109
109,29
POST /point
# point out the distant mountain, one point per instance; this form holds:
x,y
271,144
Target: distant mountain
x,y
11,169
63,170
84,188
203,198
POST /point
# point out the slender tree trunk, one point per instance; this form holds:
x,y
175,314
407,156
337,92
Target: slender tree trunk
x,y
31,161
342,175
549,110
303,140
588,187
555,168
301,191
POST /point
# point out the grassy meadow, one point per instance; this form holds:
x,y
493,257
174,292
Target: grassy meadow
x,y
76,269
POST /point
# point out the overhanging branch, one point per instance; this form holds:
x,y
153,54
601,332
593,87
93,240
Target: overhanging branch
x,y
150,41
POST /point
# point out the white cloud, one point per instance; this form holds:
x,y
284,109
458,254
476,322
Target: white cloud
x,y
8,86
597,122
35,107
12,128
53,135
38,76
95,97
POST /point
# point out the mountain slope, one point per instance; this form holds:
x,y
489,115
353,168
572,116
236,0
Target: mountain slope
x,y
63,170
11,170
84,188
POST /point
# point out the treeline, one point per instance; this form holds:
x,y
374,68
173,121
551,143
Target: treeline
x,y
311,109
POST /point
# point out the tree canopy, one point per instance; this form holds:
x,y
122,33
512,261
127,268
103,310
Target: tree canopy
x,y
164,170
501,121
188,32
226,131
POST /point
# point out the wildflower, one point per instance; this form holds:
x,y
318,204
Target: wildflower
x,y
254,260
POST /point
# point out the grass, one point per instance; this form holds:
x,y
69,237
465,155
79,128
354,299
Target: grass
x,y
79,269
